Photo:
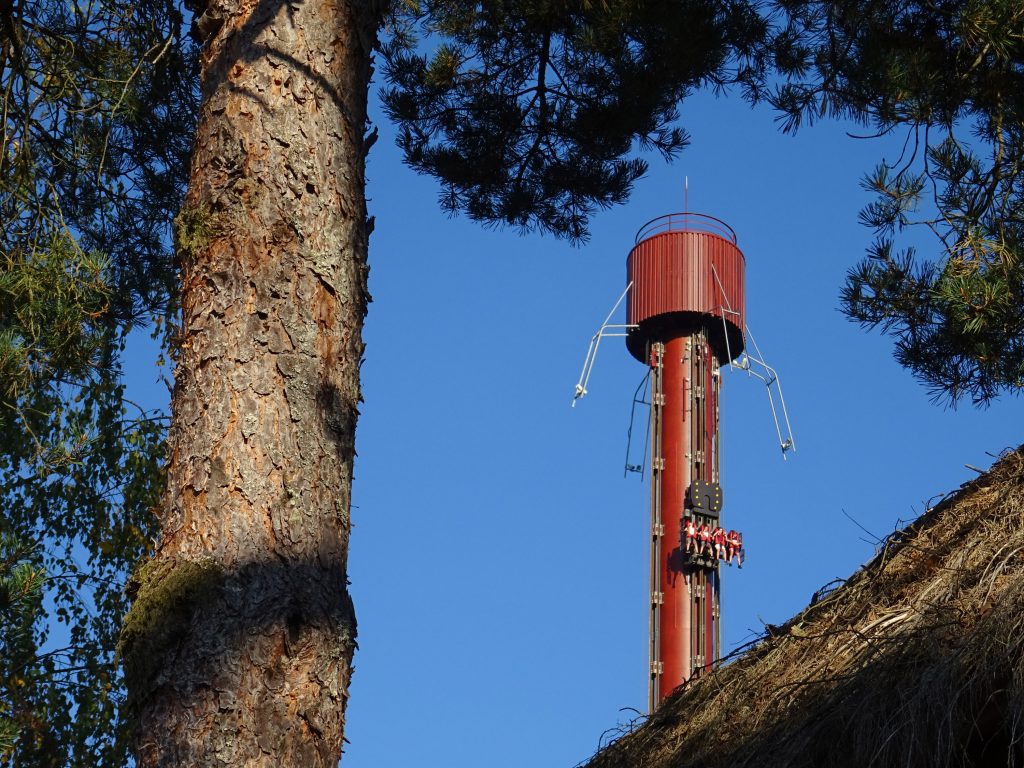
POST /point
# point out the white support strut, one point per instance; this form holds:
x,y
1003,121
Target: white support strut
x,y
607,329
770,377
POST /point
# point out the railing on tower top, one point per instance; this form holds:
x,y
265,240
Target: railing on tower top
x,y
686,222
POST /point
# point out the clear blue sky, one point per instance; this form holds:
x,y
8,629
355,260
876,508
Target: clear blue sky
x,y
499,558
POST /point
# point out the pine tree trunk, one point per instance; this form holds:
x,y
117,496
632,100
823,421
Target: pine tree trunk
x,y
238,646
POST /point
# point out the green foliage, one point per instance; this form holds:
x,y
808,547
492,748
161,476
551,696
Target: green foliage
x,y
80,473
97,104
50,305
950,77
528,111
21,592
98,107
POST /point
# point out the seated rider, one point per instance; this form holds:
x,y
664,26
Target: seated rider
x,y
737,546
705,539
690,534
732,546
718,537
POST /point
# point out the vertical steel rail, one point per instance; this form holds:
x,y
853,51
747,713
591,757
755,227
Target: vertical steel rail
x,y
657,527
715,384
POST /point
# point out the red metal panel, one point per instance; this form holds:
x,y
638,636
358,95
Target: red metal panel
x,y
684,278
675,272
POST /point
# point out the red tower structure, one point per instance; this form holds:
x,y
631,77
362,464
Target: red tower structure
x,y
685,320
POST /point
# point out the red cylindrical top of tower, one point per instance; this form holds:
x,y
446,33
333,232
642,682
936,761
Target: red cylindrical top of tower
x,y
686,274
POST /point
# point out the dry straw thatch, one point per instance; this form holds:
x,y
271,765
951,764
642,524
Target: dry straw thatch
x,y
917,660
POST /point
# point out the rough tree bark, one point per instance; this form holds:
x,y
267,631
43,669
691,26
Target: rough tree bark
x,y
237,649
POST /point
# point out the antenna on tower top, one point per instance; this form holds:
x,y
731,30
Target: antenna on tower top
x,y
686,200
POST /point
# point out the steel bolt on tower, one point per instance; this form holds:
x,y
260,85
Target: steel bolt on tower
x,y
685,320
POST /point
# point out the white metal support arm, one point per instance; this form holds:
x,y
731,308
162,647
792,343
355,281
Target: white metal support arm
x,y
607,329
770,377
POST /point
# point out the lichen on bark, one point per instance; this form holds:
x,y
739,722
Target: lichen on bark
x,y
194,227
165,595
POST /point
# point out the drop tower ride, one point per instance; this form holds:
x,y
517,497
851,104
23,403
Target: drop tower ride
x,y
685,321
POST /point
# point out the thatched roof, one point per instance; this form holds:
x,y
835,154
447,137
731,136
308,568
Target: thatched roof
x,y
916,660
